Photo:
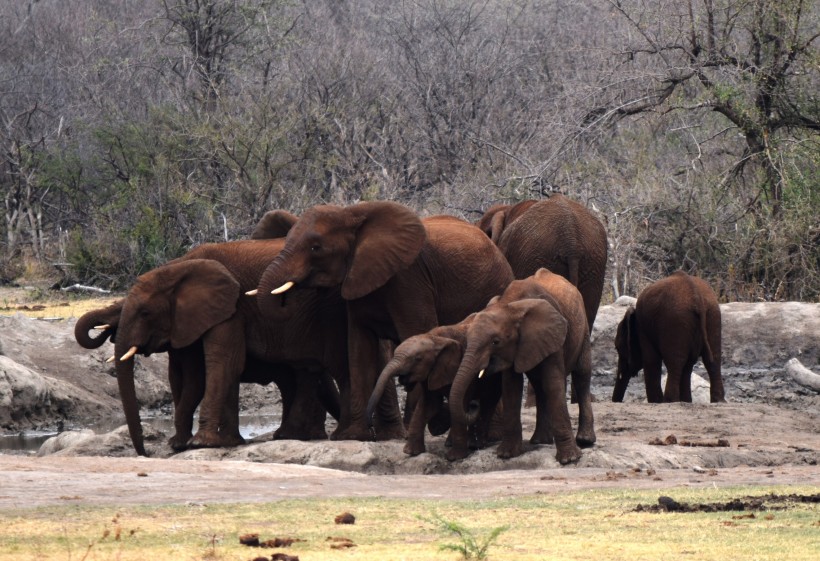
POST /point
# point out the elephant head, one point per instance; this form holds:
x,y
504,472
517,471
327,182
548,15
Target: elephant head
x,y
274,224
518,335
358,248
170,307
629,353
426,359
104,321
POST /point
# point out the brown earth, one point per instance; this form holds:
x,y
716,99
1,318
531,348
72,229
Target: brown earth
x,y
767,433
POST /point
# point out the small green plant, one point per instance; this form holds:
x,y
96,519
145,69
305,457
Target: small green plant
x,y
470,546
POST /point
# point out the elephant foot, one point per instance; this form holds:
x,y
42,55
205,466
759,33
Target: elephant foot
x,y
507,450
353,432
570,455
585,439
394,431
212,440
179,443
457,453
292,433
542,437
414,448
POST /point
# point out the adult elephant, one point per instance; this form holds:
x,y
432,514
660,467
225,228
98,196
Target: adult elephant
x,y
193,308
557,233
538,327
675,321
399,275
426,365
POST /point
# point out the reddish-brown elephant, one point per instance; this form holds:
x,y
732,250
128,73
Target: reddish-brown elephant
x,y
400,276
538,327
194,309
426,365
557,233
675,321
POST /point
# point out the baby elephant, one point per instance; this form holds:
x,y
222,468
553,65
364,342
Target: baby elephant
x,y
675,321
426,365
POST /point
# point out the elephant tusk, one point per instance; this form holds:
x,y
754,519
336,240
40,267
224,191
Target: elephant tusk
x,y
284,288
481,374
252,292
112,359
102,327
131,352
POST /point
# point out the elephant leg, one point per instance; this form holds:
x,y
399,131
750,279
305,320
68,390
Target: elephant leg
x,y
555,386
424,408
186,375
512,392
676,378
716,392
543,432
224,363
363,348
490,427
303,415
581,381
652,376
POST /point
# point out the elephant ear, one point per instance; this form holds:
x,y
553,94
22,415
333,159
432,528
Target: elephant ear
x,y
446,365
274,224
497,225
541,332
388,240
205,294
630,335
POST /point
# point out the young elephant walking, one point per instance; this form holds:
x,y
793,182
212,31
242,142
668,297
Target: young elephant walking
x,y
538,326
675,321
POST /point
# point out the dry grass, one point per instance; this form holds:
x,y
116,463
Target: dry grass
x,y
598,525
39,302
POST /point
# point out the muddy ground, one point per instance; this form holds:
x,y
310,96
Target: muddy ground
x,y
767,433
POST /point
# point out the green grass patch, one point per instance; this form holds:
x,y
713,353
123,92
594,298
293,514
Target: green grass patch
x,y
600,525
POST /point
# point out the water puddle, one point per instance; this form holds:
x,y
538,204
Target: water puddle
x,y
250,426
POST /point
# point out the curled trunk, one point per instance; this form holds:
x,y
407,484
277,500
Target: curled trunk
x,y
468,370
128,396
390,370
108,317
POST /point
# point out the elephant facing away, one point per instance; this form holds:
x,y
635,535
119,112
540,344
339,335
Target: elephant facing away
x,y
426,365
193,308
675,321
538,326
400,276
559,234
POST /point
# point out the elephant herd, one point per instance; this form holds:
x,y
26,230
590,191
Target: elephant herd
x,y
336,305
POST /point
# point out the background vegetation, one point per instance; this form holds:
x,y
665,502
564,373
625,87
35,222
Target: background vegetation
x,y
131,131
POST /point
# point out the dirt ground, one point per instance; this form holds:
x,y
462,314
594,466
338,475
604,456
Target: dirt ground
x,y
767,433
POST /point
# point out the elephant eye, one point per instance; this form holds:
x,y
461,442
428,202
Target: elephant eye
x,y
496,341
315,248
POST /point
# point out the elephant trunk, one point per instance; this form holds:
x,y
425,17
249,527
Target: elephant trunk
x,y
621,382
128,395
390,370
280,272
471,364
91,321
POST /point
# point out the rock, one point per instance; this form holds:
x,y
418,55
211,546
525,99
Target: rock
x,y
803,375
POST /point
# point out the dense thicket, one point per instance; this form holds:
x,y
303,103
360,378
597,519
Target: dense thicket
x,y
130,131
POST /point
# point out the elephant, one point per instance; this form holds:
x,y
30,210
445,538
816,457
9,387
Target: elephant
x,y
537,326
193,308
559,234
399,275
675,321
426,365
306,399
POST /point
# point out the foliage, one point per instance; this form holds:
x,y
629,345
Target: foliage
x,y
469,546
130,133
